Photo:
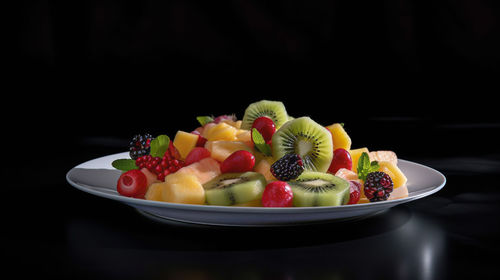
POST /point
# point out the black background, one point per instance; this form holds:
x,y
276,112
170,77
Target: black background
x,y
416,77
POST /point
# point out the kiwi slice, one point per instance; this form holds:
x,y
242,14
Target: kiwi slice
x,y
272,109
319,189
235,188
311,141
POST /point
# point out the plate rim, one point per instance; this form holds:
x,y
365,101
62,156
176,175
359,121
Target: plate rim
x,y
271,210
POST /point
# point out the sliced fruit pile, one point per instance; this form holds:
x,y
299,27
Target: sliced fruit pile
x,y
266,159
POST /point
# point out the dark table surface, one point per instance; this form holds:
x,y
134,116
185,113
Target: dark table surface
x,y
56,231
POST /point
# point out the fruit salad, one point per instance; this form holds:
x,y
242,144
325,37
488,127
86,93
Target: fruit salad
x,y
265,159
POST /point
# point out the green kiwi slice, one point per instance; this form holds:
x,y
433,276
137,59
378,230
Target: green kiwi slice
x,y
311,141
319,189
265,108
234,188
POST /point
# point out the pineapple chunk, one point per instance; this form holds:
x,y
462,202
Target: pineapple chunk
x,y
185,142
397,176
183,188
340,138
355,154
220,131
154,192
245,136
220,150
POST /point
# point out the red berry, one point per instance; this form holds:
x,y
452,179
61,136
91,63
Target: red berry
x,y
239,161
132,183
341,159
196,154
266,127
172,151
354,192
201,140
277,194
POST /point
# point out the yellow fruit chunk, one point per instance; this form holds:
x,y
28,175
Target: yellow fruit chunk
x,y
185,142
220,131
264,168
220,150
397,176
154,192
183,188
355,154
384,156
245,136
340,138
205,169
236,124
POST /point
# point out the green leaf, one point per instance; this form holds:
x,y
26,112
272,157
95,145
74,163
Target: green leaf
x,y
365,166
124,164
203,120
260,143
159,146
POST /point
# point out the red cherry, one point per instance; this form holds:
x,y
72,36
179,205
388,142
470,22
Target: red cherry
x,y
354,192
132,183
341,159
277,194
266,127
201,140
239,161
196,154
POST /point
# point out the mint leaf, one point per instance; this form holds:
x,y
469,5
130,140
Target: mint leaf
x,y
365,166
203,120
159,146
124,164
260,143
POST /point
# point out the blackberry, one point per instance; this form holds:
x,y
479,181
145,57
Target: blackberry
x,y
378,186
289,167
140,145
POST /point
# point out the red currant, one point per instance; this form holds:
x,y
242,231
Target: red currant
x,y
266,127
277,194
341,159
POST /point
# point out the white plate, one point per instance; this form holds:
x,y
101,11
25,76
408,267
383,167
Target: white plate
x,y
98,177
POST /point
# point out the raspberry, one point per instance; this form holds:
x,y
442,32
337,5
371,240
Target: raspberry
x,y
288,167
378,186
140,145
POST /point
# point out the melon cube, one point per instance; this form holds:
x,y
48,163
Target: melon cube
x,y
182,188
398,193
185,142
264,168
384,156
150,176
220,131
346,174
355,154
398,178
220,150
340,138
205,169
